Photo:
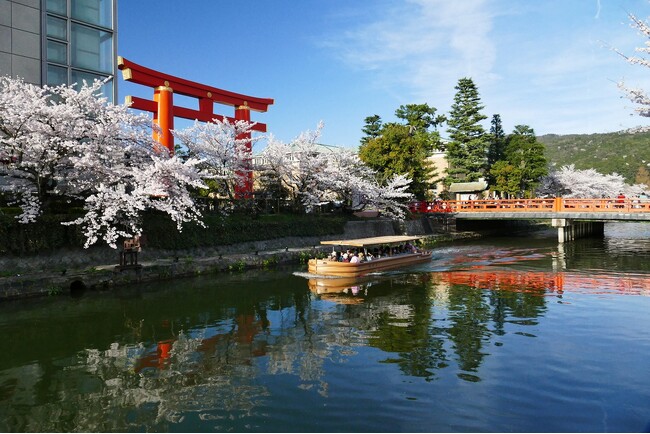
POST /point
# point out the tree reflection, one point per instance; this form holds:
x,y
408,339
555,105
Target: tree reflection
x,y
421,342
210,354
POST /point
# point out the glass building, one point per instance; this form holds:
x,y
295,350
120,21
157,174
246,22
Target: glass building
x,y
59,41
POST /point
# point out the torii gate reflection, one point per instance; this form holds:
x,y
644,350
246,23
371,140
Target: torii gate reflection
x,y
164,110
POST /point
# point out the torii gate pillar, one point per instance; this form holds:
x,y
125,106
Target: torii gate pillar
x,y
245,189
164,110
163,118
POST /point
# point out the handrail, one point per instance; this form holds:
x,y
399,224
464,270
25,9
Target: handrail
x,y
556,205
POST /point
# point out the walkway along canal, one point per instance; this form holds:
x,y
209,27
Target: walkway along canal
x,y
48,275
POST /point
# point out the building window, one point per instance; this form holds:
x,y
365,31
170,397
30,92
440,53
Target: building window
x,y
91,48
57,52
58,7
56,75
57,28
98,12
79,42
78,77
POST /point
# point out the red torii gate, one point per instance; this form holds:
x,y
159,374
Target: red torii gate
x,y
164,110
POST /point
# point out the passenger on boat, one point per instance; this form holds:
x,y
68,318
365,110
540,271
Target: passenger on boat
x,y
354,259
361,257
369,256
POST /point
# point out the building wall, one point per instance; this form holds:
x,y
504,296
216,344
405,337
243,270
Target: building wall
x,y
439,161
20,39
59,41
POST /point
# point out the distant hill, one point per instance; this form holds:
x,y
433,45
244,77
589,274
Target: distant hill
x,y
623,153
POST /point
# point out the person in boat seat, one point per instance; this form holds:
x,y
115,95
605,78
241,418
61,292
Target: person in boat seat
x,y
369,256
362,257
354,259
346,257
334,257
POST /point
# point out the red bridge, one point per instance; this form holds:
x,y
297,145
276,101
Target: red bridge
x,y
552,205
574,218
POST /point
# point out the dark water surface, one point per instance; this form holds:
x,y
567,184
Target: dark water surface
x,y
502,334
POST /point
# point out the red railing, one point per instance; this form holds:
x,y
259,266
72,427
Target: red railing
x,y
558,204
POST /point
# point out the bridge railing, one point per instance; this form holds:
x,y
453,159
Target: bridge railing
x,y
502,205
605,205
558,204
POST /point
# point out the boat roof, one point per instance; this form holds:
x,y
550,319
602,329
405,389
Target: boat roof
x,y
373,241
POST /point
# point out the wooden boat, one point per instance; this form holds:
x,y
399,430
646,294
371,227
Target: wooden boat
x,y
329,267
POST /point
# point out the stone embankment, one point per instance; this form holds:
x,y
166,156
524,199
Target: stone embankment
x,y
70,271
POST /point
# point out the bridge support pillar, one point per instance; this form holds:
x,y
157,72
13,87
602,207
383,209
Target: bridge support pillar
x,y
569,230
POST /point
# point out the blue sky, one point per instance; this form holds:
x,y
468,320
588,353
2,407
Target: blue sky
x,y
546,63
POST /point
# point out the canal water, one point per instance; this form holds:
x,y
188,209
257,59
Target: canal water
x,y
500,334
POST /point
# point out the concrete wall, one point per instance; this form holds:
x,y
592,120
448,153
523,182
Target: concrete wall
x,y
103,255
20,39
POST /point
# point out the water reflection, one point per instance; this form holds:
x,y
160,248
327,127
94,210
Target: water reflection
x,y
242,352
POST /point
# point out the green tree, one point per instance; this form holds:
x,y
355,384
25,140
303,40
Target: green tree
x,y
467,148
404,148
524,158
398,151
420,117
507,178
372,128
497,141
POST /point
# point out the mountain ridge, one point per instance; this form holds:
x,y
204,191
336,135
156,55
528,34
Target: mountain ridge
x,y
624,153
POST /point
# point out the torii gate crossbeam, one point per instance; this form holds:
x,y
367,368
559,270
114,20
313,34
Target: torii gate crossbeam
x,y
164,110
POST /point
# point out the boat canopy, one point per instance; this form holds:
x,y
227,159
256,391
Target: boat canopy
x,y
374,241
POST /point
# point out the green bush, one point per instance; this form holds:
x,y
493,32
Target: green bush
x,y
49,234
161,232
46,234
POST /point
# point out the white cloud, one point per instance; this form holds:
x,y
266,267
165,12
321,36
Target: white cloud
x,y
422,46
556,75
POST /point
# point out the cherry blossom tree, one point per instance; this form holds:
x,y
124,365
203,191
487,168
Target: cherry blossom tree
x,y
296,166
637,95
225,151
59,144
390,199
571,182
316,174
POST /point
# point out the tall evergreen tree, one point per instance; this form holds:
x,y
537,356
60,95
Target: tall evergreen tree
x,y
467,148
496,145
372,128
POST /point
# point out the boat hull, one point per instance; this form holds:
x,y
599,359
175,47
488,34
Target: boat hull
x,y
325,267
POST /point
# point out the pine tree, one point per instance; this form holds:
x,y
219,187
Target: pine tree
x,y
372,128
497,144
467,149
